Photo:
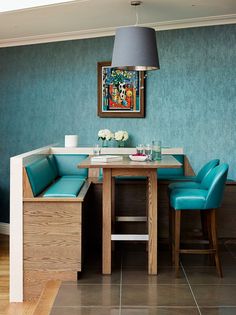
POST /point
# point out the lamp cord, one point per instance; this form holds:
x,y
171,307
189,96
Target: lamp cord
x,y
136,13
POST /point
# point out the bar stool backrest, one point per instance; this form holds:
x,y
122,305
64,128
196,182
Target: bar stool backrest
x,y
214,182
206,169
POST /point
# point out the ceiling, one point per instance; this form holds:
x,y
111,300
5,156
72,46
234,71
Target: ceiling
x,y
95,18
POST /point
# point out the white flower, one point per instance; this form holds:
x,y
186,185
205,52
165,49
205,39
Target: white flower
x,y
121,135
126,136
105,134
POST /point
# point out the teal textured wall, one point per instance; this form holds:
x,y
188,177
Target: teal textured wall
x,y
49,90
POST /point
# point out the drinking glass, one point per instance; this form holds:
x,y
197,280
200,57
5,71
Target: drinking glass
x,y
156,150
96,149
140,148
148,151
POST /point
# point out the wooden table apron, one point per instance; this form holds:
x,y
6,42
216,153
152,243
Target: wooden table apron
x,y
130,168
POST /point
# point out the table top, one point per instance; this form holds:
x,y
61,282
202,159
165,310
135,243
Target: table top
x,y
167,161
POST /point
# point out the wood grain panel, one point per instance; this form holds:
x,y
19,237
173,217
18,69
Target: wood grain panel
x,y
52,244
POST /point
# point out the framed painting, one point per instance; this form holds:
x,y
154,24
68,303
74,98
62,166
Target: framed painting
x,y
120,92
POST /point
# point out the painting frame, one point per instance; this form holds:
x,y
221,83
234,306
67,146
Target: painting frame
x,y
104,94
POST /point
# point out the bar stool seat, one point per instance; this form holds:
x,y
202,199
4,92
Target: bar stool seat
x,y
186,199
207,199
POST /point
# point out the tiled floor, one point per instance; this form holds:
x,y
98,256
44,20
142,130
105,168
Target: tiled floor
x,y
130,291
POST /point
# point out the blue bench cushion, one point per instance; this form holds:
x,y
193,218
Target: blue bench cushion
x,y
53,164
40,174
172,173
67,164
65,187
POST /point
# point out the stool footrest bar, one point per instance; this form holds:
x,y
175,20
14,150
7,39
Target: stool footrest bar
x,y
129,237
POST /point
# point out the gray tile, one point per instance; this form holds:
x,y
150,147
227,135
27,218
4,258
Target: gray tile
x,y
165,276
227,260
208,275
159,311
156,295
215,295
84,311
88,295
218,310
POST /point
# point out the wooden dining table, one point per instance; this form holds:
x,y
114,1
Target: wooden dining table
x,y
126,167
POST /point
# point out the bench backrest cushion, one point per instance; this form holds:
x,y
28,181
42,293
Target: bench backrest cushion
x,y
53,164
162,172
67,164
40,174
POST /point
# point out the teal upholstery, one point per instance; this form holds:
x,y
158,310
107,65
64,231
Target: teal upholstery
x,y
194,182
65,187
67,164
182,199
206,169
165,173
53,164
40,174
43,173
208,196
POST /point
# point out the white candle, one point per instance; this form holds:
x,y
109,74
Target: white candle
x,y
71,141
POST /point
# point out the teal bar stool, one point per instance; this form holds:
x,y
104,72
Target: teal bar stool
x,y
195,181
207,198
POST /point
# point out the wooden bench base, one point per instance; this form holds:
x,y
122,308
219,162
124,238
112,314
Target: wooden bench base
x,y
52,244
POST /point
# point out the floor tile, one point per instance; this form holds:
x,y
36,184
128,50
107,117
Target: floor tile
x,y
218,310
215,295
156,295
159,311
227,260
208,275
165,276
88,295
84,311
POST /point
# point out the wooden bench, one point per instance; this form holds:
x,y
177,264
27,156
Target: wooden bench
x,y
52,232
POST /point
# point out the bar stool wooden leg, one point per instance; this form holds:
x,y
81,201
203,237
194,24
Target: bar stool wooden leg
x,y
215,242
170,228
173,235
212,258
177,240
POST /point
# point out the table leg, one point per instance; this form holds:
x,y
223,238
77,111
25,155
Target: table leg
x,y
152,222
106,221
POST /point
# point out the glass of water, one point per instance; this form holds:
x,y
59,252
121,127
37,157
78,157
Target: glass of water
x,y
148,151
156,150
140,149
96,150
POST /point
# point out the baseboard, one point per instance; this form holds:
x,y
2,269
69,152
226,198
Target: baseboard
x,y
4,228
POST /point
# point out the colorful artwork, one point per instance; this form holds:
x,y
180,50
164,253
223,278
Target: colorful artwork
x,y
120,92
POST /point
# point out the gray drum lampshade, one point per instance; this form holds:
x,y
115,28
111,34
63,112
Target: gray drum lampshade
x,y
135,48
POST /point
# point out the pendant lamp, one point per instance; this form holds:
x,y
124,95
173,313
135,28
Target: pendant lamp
x,y
135,48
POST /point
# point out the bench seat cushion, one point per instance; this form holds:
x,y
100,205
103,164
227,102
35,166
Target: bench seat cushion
x,y
65,187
